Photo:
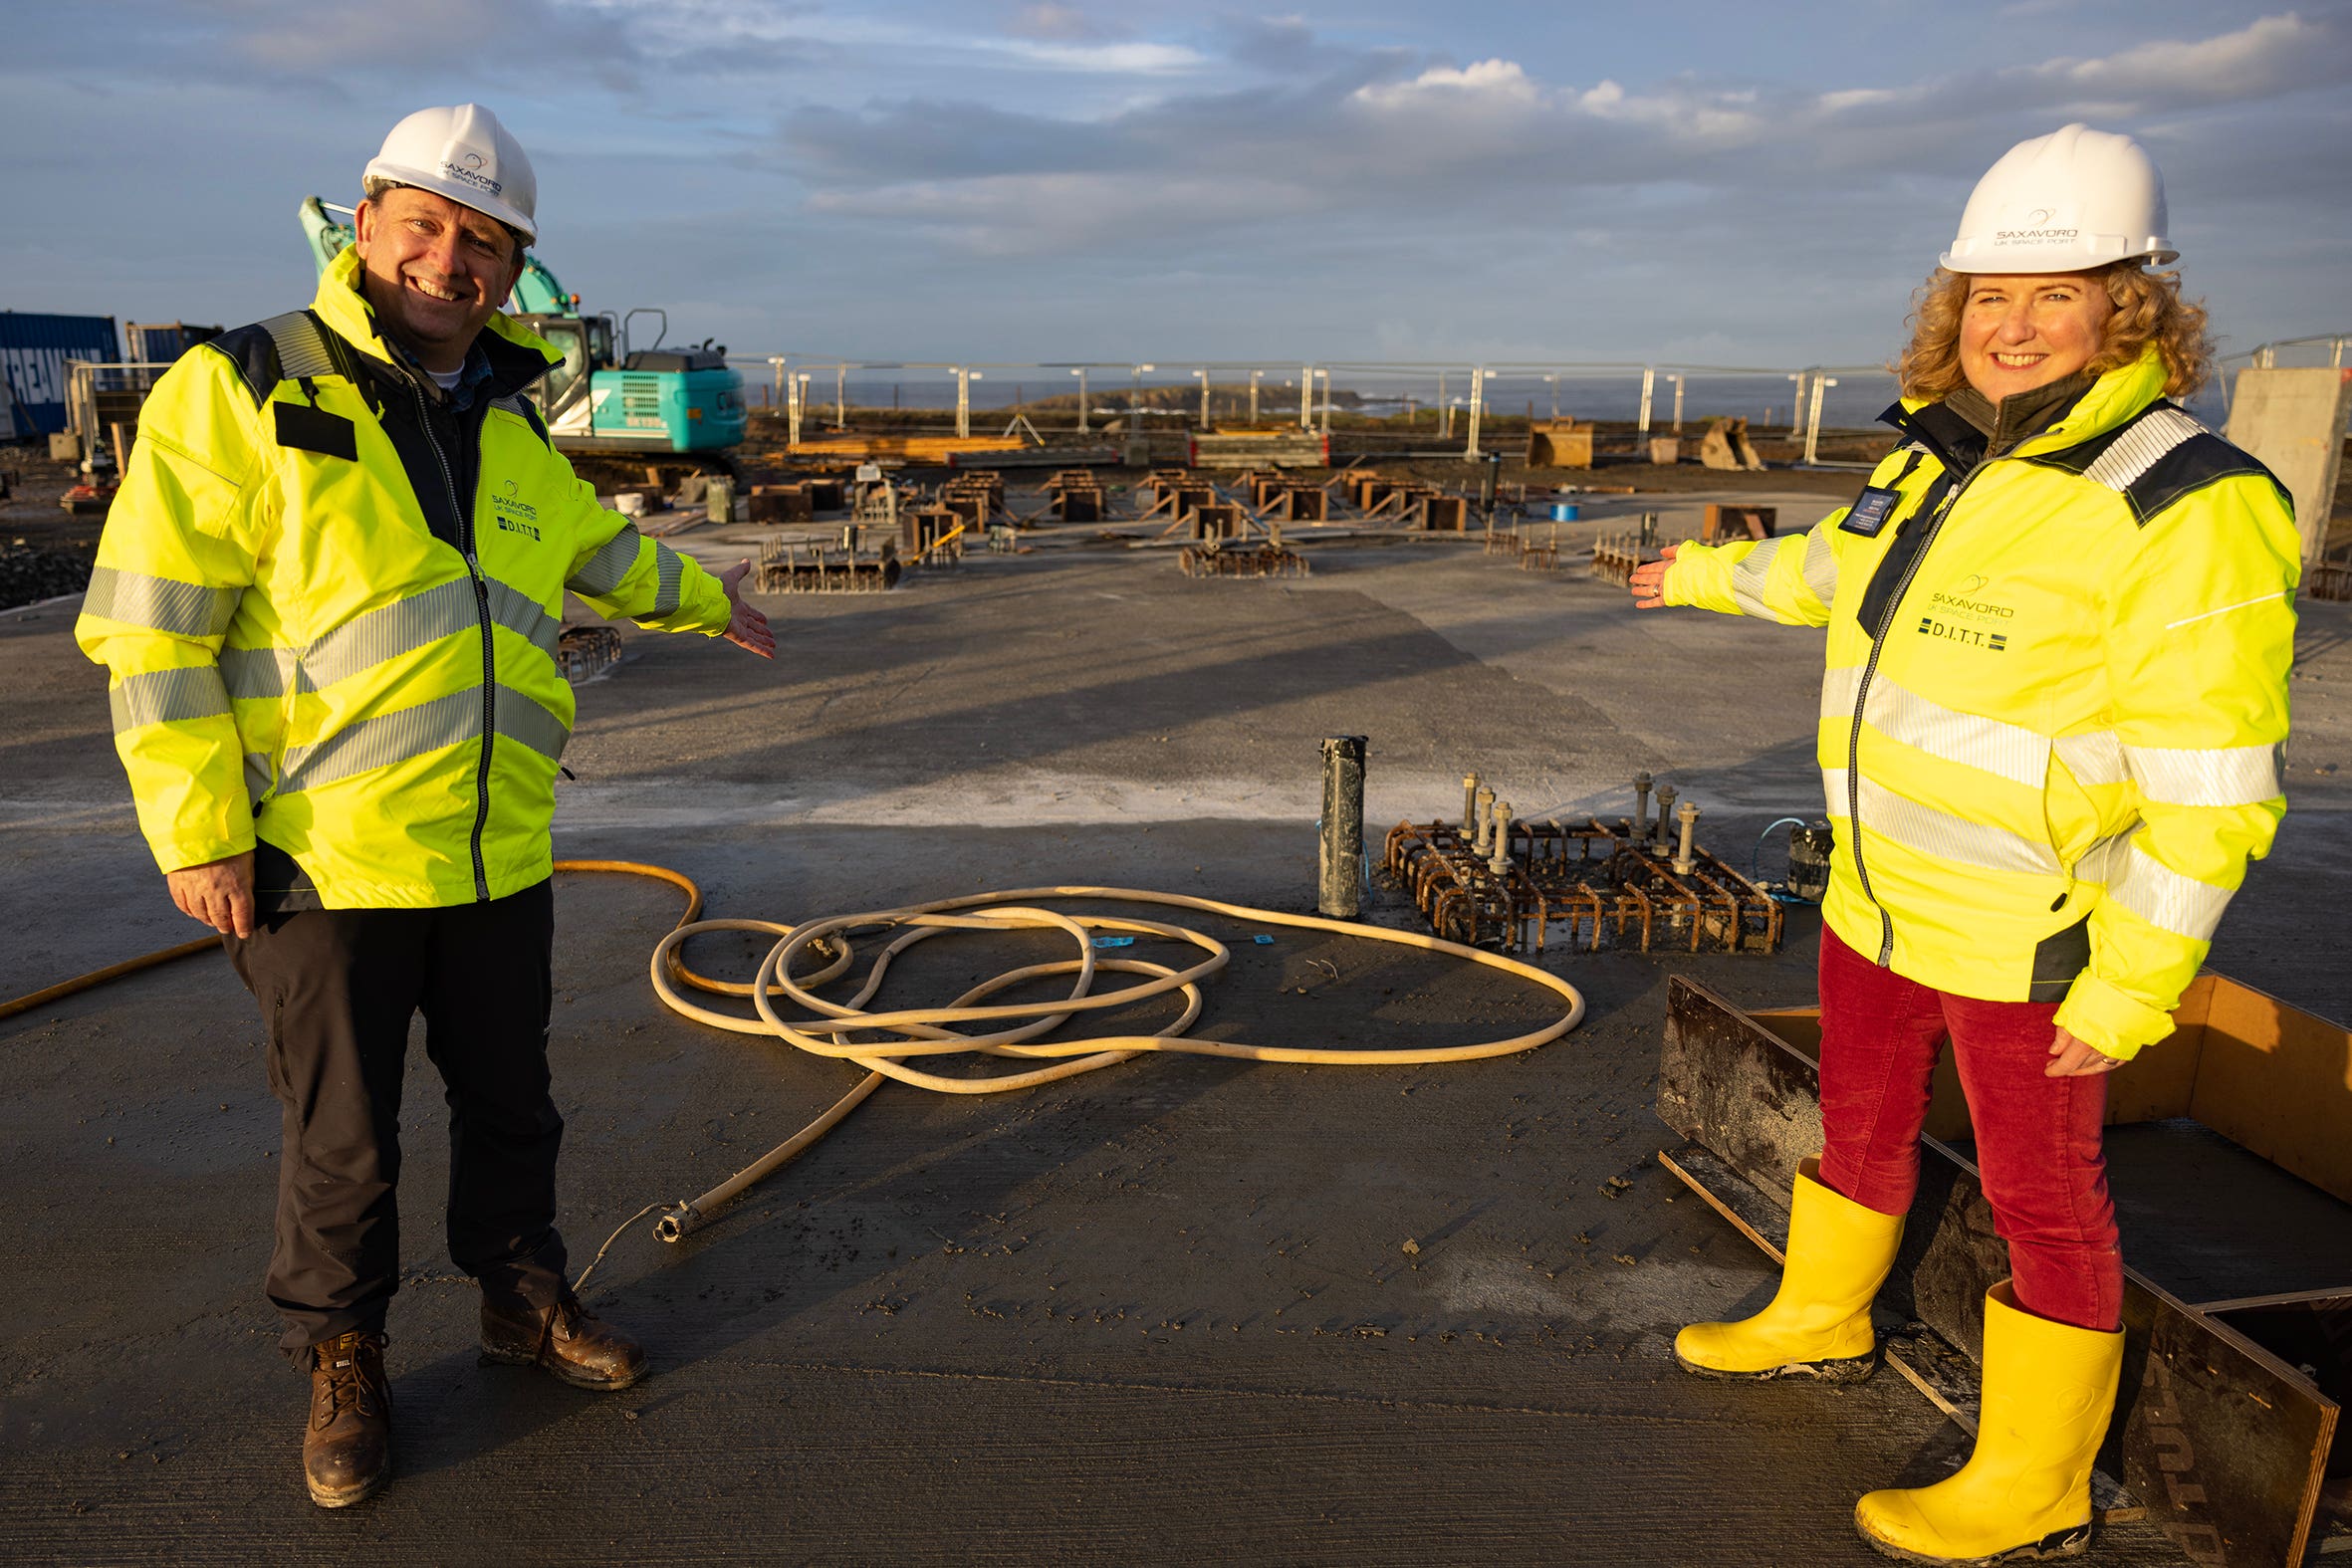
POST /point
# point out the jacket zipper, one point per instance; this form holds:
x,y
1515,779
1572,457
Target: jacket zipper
x,y
465,547
1886,622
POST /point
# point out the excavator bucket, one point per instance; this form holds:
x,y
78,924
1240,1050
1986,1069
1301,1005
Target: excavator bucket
x,y
1726,445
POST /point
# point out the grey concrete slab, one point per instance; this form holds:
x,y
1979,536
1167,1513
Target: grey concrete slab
x,y
1162,1313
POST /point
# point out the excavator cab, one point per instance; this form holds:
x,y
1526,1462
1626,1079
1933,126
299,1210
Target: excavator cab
x,y
585,343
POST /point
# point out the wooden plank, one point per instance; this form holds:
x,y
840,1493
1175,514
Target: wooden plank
x,y
2224,1442
2278,1081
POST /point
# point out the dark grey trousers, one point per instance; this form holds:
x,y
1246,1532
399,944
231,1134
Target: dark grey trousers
x,y
337,988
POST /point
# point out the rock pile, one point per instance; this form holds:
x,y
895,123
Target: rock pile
x,y
28,575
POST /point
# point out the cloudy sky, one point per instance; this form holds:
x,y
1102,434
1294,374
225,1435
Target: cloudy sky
x,y
1717,182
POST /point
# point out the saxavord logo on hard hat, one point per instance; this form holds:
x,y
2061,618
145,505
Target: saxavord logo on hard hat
x,y
468,170
2041,226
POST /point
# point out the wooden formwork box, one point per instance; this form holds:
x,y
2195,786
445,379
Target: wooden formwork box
x,y
1558,443
1303,504
921,527
1445,514
1719,522
2226,1431
1215,520
781,504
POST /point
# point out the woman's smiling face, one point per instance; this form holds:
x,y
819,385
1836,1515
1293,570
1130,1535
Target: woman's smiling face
x,y
2017,332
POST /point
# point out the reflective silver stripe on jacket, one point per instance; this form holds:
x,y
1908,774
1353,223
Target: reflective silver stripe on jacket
x,y
602,571
257,776
2135,451
428,727
1821,568
383,740
1837,691
388,632
1931,832
187,609
254,673
522,719
166,696
2094,758
2166,899
524,616
2218,776
2007,750
1748,580
302,348
669,570
384,635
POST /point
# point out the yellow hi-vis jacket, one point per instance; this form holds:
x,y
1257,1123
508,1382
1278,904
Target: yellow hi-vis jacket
x,y
2056,696
329,606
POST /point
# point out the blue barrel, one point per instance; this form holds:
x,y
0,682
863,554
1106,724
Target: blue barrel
x,y
1563,512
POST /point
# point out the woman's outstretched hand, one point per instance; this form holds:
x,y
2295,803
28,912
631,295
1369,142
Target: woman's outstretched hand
x,y
1649,579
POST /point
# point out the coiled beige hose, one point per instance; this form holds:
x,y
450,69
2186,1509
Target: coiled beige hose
x,y
886,1041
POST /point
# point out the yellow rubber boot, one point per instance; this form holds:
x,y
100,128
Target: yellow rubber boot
x,y
1818,1323
2026,1493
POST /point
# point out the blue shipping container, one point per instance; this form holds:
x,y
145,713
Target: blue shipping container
x,y
33,354
153,343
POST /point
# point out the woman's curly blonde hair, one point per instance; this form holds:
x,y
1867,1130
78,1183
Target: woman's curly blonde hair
x,y
2148,309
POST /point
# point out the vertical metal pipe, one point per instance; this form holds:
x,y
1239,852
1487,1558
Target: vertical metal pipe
x,y
1485,810
1469,805
1499,861
1665,810
1641,805
1340,862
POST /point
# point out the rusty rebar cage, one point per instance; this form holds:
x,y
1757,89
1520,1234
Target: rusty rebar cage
x,y
1215,560
1581,886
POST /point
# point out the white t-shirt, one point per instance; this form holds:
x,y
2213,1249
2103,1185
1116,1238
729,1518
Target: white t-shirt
x,y
447,380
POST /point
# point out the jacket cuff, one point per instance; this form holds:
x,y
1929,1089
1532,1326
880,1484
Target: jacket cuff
x,y
1680,585
178,854
2109,1020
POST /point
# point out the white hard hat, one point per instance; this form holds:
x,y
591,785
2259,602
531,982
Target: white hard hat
x,y
2069,201
465,154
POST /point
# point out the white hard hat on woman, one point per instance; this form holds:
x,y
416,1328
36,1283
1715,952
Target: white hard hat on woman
x,y
2060,620
2069,201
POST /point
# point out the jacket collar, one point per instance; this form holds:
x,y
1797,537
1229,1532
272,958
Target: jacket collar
x,y
2114,400
517,355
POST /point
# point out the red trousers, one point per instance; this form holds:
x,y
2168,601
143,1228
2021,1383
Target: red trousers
x,y
2038,1137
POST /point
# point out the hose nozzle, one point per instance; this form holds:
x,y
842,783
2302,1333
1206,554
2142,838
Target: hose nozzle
x,y
679,1223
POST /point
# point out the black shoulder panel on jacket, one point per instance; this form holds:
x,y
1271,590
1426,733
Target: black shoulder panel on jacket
x,y
255,355
2204,459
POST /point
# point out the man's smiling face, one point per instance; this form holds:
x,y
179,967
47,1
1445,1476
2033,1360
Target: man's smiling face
x,y
435,271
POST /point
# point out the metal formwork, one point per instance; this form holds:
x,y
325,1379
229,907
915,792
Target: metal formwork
x,y
1216,558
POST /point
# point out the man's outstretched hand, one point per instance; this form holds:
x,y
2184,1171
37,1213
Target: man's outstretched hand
x,y
218,892
747,628
1649,579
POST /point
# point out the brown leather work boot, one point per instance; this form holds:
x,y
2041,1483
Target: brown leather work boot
x,y
567,1339
347,1450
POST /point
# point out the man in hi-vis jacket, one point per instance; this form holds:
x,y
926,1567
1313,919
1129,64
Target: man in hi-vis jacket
x,y
329,595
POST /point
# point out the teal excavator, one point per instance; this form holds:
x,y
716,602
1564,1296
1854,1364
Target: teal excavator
x,y
645,400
